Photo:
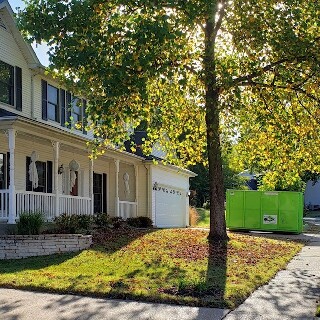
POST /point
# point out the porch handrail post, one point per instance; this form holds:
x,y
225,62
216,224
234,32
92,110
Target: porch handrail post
x,y
91,194
56,151
116,162
11,133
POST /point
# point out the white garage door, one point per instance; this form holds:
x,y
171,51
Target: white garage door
x,y
170,207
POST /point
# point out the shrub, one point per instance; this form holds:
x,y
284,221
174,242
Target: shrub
x,y
117,222
193,216
30,223
102,220
140,222
84,222
73,223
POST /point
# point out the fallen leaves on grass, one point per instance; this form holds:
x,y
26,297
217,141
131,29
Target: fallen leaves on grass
x,y
175,265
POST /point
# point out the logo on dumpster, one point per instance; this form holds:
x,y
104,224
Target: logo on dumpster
x,y
270,219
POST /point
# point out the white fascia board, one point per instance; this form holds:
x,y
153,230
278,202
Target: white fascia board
x,y
172,168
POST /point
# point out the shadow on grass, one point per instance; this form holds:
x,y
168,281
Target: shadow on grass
x,y
113,240
116,239
217,274
34,263
207,291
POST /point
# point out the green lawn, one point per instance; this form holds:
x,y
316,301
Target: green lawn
x,y
176,266
204,218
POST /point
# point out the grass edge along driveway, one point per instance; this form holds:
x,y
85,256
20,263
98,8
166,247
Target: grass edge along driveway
x,y
169,265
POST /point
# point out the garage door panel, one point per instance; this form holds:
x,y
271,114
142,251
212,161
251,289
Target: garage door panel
x,y
170,208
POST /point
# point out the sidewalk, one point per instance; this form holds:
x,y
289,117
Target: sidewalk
x,y
292,294
24,305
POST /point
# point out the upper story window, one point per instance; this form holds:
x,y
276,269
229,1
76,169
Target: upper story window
x,y
11,85
50,102
53,103
58,105
77,112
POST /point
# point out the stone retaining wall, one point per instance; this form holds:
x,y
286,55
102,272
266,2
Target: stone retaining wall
x,y
23,246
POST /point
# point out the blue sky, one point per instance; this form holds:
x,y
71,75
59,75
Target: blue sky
x,y
41,50
16,3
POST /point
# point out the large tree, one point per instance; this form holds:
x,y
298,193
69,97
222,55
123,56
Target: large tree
x,y
179,65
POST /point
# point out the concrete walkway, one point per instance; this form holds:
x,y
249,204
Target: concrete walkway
x,y
292,294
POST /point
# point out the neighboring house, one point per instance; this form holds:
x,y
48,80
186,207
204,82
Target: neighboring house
x,y
44,164
312,195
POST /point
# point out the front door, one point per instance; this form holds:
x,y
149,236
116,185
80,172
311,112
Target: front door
x,y
100,192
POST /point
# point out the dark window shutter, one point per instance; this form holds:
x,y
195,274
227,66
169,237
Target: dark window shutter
x,y
68,109
44,100
84,116
11,86
104,193
7,162
18,84
49,176
28,182
63,107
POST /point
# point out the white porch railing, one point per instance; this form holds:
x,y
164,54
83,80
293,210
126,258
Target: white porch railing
x,y
4,204
46,203
34,201
127,209
74,205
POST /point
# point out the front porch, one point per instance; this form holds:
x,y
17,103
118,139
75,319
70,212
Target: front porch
x,y
51,207
67,180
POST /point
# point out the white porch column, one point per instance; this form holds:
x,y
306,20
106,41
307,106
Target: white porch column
x,y
136,172
116,162
91,195
56,149
11,133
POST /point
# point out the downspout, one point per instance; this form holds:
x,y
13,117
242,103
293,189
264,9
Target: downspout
x,y
149,208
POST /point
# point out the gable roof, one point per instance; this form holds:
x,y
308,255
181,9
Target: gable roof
x,y
26,49
137,140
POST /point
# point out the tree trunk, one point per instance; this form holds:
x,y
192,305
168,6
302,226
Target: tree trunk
x,y
217,196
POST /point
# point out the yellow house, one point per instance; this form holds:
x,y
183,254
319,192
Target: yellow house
x,y
44,164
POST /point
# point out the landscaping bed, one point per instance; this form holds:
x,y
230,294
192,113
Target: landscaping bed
x,y
175,266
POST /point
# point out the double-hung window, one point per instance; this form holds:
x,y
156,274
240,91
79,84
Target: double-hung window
x,y
77,112
50,102
60,106
11,85
53,103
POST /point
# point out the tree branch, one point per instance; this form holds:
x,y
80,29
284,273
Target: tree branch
x,y
308,111
221,14
274,86
267,68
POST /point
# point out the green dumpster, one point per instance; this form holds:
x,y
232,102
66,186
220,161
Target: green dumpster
x,y
264,210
